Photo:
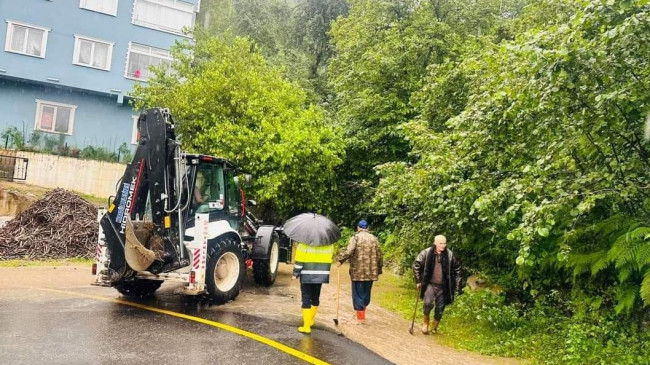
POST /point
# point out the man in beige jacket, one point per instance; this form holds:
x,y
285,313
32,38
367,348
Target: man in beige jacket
x,y
366,263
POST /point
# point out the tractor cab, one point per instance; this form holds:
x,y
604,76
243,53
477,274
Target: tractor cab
x,y
215,190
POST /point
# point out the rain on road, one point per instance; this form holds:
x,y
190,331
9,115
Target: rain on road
x,y
54,315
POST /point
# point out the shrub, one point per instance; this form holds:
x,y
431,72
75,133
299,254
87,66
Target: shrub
x,y
13,138
544,331
55,145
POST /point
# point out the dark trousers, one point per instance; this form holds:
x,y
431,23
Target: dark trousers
x,y
434,294
310,295
361,294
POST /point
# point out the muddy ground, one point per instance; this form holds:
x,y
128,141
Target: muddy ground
x,y
15,198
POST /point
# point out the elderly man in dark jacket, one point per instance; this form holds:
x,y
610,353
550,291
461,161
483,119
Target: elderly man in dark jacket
x,y
438,275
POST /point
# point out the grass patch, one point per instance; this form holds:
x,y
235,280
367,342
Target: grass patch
x,y
96,201
397,294
61,262
482,322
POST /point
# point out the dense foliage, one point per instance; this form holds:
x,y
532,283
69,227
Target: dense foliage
x,y
229,102
543,167
384,51
520,138
291,34
483,322
519,129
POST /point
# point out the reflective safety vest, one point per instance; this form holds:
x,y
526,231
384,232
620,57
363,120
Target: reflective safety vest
x,y
313,263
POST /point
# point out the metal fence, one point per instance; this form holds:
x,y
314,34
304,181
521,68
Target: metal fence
x,y
13,168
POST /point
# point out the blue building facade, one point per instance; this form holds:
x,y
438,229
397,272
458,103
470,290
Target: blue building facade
x,y
67,67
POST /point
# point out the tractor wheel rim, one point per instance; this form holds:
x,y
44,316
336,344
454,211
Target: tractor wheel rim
x,y
273,260
226,272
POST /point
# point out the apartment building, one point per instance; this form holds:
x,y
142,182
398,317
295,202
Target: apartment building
x,y
67,67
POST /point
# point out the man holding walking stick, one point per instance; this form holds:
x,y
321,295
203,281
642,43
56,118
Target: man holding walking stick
x,y
438,275
366,263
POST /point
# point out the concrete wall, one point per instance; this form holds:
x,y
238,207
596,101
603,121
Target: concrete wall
x,y
85,176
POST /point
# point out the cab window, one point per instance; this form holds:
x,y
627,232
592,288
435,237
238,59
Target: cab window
x,y
234,195
208,193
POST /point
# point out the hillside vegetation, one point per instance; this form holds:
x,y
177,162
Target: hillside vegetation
x,y
516,128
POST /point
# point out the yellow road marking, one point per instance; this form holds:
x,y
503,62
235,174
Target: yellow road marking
x,y
253,336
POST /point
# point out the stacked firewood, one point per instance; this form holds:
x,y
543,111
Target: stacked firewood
x,y
61,225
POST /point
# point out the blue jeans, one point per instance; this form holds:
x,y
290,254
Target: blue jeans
x,y
361,294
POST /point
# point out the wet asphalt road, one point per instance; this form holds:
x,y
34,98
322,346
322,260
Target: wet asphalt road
x,y
85,324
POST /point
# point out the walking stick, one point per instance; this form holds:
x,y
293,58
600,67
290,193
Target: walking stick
x,y
415,311
338,294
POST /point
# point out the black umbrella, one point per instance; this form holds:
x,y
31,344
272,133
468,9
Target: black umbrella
x,y
312,229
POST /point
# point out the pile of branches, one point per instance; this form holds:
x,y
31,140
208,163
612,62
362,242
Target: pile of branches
x,y
61,225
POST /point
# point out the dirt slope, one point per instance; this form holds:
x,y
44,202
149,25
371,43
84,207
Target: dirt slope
x,y
15,198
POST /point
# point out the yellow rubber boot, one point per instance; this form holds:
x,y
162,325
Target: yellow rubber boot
x,y
314,309
306,320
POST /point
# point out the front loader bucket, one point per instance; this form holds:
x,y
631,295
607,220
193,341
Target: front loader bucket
x,y
137,255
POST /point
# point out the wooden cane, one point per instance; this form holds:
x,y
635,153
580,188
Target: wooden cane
x,y
415,310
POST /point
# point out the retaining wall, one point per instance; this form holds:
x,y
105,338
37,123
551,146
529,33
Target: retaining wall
x,y
95,178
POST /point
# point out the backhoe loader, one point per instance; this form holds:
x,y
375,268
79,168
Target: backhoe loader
x,y
182,217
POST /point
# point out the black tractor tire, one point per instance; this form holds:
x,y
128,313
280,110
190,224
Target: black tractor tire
x,y
266,270
225,272
138,288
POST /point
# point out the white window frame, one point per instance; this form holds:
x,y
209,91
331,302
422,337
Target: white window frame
x,y
39,114
77,48
173,4
84,5
10,34
150,53
134,132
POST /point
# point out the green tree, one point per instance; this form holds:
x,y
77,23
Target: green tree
x,y
292,35
527,148
230,103
384,50
312,22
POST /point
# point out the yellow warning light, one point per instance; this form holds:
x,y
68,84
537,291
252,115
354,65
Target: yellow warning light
x,y
168,221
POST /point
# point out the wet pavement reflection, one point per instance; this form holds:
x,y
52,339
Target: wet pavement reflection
x,y
37,325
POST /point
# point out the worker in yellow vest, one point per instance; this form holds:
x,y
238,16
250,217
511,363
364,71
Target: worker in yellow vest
x,y
313,268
